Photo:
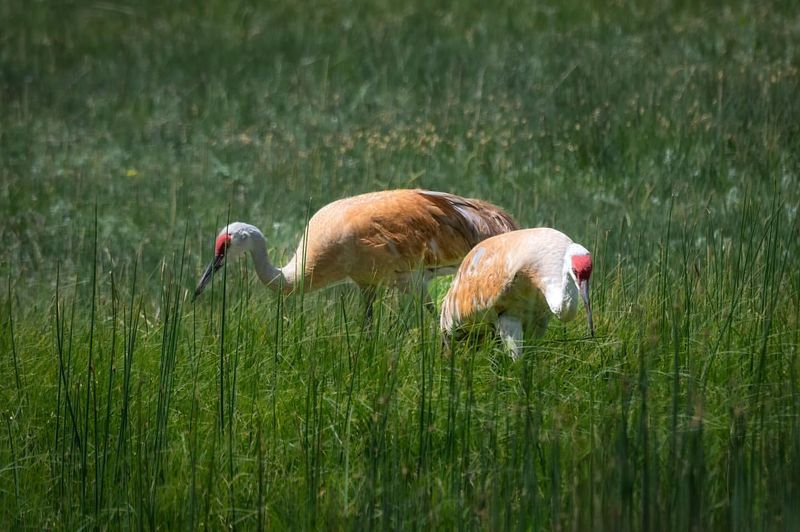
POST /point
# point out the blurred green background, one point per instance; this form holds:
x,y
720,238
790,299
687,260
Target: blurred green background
x,y
586,116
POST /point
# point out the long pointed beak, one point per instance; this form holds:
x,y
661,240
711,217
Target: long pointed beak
x,y
212,267
584,289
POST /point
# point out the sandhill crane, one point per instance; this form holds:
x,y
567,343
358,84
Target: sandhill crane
x,y
515,280
372,239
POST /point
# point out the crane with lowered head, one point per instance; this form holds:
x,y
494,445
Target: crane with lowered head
x,y
518,280
376,238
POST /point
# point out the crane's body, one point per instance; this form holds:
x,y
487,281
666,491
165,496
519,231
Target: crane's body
x,y
378,238
517,281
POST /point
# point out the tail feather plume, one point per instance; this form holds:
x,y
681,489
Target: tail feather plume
x,y
477,219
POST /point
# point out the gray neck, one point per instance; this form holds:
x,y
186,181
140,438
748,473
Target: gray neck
x,y
273,277
562,294
569,295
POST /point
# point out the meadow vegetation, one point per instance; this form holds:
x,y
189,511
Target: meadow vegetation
x,y
663,136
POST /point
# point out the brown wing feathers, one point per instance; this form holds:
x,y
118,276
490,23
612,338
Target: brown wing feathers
x,y
475,219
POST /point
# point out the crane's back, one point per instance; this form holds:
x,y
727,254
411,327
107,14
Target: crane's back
x,y
377,236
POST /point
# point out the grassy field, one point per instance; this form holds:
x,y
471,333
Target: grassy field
x,y
663,136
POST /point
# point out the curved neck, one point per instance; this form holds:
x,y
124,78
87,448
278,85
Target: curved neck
x,y
562,294
275,278
569,298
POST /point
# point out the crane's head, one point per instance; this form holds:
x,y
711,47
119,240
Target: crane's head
x,y
233,240
580,270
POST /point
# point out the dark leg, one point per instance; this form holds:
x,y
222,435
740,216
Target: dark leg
x,y
368,293
417,284
447,345
428,301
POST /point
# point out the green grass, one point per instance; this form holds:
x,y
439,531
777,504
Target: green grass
x,y
662,136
